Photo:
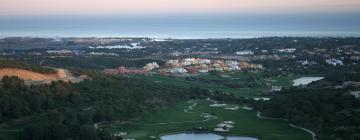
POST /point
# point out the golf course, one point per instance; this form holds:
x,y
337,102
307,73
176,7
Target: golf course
x,y
207,116
251,84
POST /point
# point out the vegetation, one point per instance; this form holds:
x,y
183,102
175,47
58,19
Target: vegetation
x,y
175,119
332,114
97,108
61,110
243,84
94,62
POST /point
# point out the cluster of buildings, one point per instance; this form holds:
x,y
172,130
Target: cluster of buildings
x,y
124,71
102,54
94,40
306,62
61,52
355,57
187,52
187,66
200,65
249,52
334,62
130,47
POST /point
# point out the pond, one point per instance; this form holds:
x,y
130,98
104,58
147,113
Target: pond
x,y
305,80
202,136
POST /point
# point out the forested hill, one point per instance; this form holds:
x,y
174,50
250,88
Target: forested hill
x,y
332,114
61,110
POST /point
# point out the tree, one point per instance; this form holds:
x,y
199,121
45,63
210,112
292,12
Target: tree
x,y
87,133
13,84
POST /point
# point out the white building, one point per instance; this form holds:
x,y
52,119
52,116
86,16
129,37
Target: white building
x,y
60,52
334,62
204,61
288,50
217,67
172,62
151,66
203,70
176,53
356,94
103,53
178,70
306,62
276,88
245,52
233,65
188,61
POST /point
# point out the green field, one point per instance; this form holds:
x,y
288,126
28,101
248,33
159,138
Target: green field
x,y
175,119
284,81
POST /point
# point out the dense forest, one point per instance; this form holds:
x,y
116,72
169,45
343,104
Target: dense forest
x,y
62,110
332,114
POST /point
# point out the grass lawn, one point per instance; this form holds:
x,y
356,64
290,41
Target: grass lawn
x,y
175,120
284,81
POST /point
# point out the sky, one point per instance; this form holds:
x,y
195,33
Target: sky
x,y
144,7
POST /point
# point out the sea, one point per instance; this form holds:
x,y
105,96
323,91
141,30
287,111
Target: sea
x,y
184,26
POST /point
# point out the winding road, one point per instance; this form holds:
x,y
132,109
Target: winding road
x,y
258,114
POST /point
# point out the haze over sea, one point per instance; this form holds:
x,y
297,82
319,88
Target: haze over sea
x,y
185,26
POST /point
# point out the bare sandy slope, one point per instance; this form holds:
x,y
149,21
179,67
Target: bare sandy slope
x,y
33,76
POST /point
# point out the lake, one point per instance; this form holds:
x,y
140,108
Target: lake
x,y
202,136
306,80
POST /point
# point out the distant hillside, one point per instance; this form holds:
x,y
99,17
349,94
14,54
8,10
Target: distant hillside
x,y
8,63
32,76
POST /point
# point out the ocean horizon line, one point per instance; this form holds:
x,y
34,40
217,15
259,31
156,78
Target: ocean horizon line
x,y
356,35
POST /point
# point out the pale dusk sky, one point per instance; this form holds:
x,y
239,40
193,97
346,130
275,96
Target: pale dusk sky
x,y
119,7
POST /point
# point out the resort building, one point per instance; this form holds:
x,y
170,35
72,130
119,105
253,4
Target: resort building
x,y
276,88
151,66
172,63
334,62
124,71
245,52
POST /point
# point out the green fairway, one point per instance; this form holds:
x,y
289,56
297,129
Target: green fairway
x,y
181,118
264,86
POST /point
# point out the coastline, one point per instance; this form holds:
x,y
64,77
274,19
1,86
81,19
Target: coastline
x,y
190,36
